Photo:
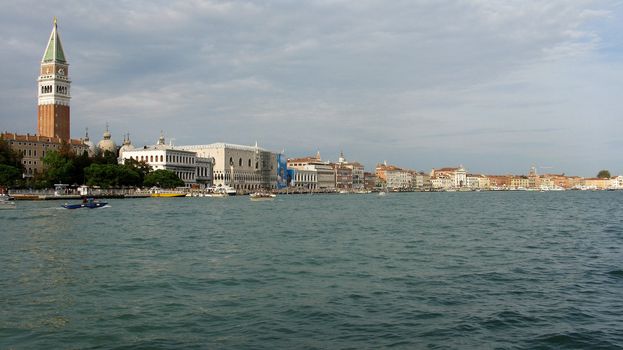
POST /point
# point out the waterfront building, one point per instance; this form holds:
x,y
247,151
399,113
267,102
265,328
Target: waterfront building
x,y
343,177
393,177
559,180
422,181
574,181
442,182
595,183
369,180
457,176
305,179
245,168
519,182
191,168
324,171
477,181
357,171
53,121
34,147
499,182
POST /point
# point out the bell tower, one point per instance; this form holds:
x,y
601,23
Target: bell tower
x,y
53,93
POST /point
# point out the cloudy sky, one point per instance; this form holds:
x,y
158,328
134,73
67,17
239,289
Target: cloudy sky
x,y
497,86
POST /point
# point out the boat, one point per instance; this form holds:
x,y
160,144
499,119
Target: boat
x,y
6,201
262,196
218,194
221,191
87,203
384,191
230,191
160,193
168,194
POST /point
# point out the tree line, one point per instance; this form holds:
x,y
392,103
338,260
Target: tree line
x,y
66,167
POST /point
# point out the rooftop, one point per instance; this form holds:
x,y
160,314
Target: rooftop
x,y
224,145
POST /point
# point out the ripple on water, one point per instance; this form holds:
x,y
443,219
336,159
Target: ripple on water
x,y
420,270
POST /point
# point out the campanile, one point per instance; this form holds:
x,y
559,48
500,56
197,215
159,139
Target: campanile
x,y
53,93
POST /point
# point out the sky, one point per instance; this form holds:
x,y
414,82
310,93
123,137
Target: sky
x,y
495,86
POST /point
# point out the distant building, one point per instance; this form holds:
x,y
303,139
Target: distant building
x,y
422,181
477,181
34,147
369,180
520,182
245,168
499,182
324,172
343,177
457,177
394,177
357,173
187,165
598,183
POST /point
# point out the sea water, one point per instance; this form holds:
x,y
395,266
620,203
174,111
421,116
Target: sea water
x,y
408,270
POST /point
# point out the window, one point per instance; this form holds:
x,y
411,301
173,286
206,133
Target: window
x,y
240,162
161,158
249,163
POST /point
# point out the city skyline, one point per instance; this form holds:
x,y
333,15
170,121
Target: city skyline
x,y
498,89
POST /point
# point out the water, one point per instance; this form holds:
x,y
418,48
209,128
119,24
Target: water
x,y
414,270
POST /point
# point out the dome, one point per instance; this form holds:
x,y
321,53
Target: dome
x,y
107,144
127,145
88,142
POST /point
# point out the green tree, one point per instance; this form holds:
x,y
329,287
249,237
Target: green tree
x,y
58,168
604,174
111,175
141,167
11,167
106,157
163,179
10,157
80,163
9,175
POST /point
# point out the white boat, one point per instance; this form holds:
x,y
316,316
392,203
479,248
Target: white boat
x,y
230,191
217,195
262,196
7,202
220,191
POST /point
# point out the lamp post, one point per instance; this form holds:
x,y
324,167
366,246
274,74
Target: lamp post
x,y
231,172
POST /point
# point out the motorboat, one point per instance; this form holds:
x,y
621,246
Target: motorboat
x,y
262,196
88,203
168,194
162,193
226,190
217,195
6,201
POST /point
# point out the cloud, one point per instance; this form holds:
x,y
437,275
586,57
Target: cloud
x,y
419,82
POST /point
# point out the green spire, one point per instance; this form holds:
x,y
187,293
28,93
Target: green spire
x,y
54,51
